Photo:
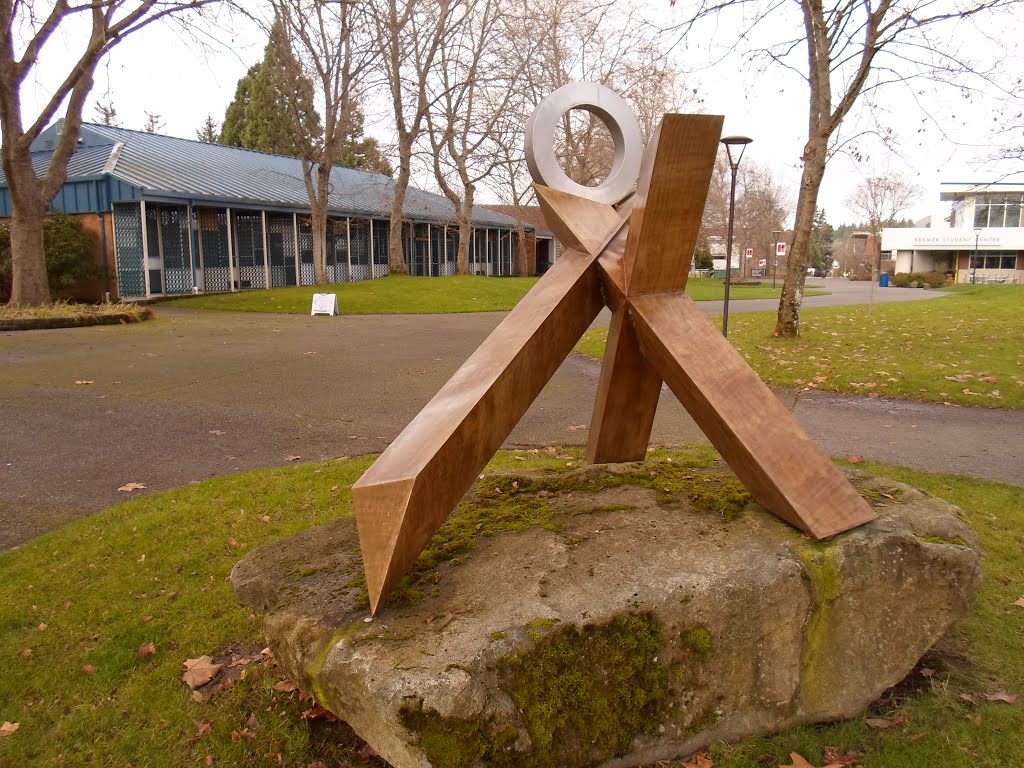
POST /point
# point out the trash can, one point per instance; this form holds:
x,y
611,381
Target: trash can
x,y
883,280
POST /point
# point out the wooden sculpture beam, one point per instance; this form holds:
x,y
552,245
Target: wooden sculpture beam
x,y
656,334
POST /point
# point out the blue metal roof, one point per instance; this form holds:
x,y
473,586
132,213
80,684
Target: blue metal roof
x,y
169,167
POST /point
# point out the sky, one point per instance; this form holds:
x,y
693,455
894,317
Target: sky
x,y
160,72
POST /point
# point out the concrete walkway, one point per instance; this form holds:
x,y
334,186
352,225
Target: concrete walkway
x,y
198,394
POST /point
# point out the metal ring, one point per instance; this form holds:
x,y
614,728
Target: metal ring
x,y
614,112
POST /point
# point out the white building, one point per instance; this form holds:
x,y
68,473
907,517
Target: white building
x,y
982,240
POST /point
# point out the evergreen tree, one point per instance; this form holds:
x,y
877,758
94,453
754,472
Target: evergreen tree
x,y
362,152
153,123
208,132
259,118
821,248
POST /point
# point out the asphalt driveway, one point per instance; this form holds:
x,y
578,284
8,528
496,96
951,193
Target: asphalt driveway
x,y
198,394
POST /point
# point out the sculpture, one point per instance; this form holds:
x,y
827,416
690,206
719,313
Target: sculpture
x,y
635,259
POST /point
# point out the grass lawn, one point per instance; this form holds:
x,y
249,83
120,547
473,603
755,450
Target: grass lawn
x,y
425,295
77,606
964,349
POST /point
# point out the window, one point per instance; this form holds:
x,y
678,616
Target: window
x,y
998,211
995,260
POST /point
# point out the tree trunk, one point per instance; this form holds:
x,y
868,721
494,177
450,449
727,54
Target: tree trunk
x,y
28,262
788,324
522,256
465,216
318,223
396,255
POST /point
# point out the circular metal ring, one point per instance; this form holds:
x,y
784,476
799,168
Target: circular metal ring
x,y
614,112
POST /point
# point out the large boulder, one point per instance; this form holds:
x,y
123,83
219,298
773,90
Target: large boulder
x,y
613,615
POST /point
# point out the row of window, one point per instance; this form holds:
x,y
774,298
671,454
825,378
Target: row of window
x,y
998,211
994,260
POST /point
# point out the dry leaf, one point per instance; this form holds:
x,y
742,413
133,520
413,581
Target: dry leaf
x,y
285,686
88,669
217,432
700,760
881,723
1003,696
232,543
199,697
202,730
319,713
798,762
7,729
146,619
834,757
25,652
199,671
1020,603
42,627
146,650
84,381
129,487
292,458
968,697
854,458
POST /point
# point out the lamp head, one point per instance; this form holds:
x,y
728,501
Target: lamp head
x,y
735,141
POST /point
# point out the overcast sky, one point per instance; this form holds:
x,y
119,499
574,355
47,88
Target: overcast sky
x,y
158,72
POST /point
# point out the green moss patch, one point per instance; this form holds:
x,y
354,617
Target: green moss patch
x,y
698,642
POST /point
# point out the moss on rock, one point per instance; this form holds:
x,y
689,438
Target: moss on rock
x,y
698,642
583,694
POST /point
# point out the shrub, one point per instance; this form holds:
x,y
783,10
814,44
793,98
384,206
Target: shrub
x,y
68,250
919,280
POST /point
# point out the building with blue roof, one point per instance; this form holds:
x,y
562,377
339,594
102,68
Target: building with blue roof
x,y
176,216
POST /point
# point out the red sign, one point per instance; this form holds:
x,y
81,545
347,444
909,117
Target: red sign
x,y
762,262
750,253
780,249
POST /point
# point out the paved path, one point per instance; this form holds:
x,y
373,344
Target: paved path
x,y
198,394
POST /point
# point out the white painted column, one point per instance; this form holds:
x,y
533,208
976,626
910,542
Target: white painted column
x,y
348,248
373,266
298,259
145,247
231,255
266,251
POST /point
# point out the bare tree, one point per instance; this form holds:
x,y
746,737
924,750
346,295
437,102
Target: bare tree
x,y
332,48
409,34
880,200
26,28
472,92
851,49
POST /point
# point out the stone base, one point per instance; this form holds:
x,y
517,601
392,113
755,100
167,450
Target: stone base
x,y
613,616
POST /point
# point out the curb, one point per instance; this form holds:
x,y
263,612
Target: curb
x,y
77,321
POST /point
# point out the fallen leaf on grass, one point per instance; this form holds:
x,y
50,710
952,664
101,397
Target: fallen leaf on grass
x,y
146,650
968,697
7,729
129,487
319,713
700,760
88,669
25,652
1020,603
199,671
834,757
202,730
854,458
800,762
1003,696
881,723
285,686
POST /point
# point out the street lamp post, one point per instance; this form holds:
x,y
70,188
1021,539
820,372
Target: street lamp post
x,y
776,233
974,261
730,142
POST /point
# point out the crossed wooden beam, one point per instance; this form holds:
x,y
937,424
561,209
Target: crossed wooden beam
x,y
635,259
